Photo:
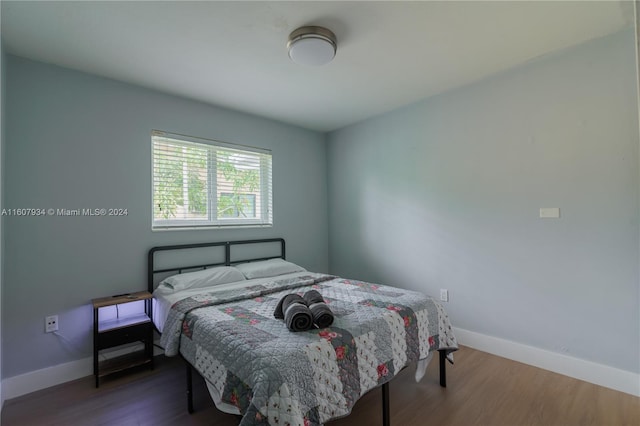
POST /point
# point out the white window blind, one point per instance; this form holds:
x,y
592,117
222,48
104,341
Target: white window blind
x,y
204,183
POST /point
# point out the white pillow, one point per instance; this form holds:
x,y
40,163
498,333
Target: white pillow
x,y
204,278
268,268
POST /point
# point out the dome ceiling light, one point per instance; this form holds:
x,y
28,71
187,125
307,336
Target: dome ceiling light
x,y
312,46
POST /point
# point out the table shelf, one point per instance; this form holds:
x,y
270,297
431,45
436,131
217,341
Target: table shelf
x,y
118,331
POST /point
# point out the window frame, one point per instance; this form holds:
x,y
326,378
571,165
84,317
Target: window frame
x,y
265,189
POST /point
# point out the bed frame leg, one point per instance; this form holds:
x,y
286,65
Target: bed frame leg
x,y
443,369
189,389
386,421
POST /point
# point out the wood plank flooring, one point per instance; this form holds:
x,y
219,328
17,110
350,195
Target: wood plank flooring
x,y
482,390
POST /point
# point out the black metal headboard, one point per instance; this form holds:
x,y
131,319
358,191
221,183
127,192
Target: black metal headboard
x,y
228,258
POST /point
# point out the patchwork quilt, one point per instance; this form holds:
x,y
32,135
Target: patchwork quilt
x,y
273,376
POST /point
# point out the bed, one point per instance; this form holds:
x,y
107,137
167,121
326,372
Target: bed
x,y
219,316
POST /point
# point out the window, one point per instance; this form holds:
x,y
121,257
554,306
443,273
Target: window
x,y
203,183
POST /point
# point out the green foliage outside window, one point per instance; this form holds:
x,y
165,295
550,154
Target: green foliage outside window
x,y
171,169
243,180
175,163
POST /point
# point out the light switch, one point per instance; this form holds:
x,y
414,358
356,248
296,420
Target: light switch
x,y
550,212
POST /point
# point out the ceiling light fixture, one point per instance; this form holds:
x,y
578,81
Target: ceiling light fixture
x,y
312,45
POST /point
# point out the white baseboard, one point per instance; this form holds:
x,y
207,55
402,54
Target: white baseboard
x,y
599,374
13,387
40,379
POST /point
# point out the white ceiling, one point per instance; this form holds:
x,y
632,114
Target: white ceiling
x,y
233,54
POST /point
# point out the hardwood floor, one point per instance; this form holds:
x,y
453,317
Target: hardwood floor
x,y
482,390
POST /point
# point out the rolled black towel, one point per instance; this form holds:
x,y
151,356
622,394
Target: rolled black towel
x,y
279,313
322,315
293,309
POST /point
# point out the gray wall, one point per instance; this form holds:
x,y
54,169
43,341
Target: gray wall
x,y
446,194
636,5
2,137
78,141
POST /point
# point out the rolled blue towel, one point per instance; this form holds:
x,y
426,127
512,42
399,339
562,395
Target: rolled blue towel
x,y
322,315
295,312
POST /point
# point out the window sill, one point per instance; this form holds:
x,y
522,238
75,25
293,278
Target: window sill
x,y
208,227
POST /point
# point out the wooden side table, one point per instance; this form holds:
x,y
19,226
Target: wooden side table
x,y
121,330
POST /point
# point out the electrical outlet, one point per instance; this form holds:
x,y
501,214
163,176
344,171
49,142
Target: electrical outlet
x,y
444,295
51,324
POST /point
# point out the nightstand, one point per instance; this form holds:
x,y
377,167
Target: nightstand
x,y
120,329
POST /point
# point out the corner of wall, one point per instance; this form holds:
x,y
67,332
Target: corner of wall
x,y
2,141
636,7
